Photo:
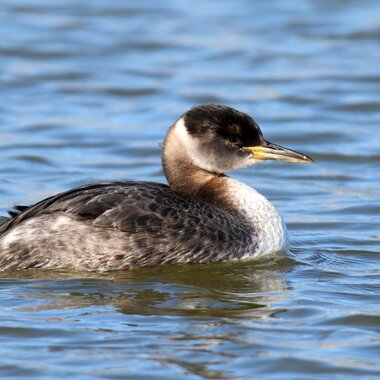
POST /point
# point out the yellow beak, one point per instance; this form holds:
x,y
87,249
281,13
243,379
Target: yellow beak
x,y
271,151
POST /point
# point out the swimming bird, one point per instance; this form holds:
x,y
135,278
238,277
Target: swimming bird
x,y
201,216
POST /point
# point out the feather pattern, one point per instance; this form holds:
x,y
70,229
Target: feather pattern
x,y
150,225
202,216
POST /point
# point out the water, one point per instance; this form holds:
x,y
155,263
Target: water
x,y
88,89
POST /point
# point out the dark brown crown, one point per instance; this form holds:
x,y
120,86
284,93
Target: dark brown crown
x,y
228,123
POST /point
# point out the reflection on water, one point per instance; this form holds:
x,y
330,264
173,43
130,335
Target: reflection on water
x,y
88,89
234,290
142,315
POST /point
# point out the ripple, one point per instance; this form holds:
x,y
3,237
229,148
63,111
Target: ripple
x,y
33,159
88,91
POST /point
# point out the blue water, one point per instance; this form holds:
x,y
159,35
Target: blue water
x,y
88,90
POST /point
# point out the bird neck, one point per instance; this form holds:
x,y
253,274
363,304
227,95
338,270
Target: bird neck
x,y
245,203
187,178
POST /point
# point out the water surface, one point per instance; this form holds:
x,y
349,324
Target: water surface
x,y
88,89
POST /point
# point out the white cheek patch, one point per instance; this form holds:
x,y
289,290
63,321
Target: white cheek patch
x,y
192,148
181,131
212,157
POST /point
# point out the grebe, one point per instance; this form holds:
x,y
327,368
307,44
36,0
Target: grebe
x,y
203,216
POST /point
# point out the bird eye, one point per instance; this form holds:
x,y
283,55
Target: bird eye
x,y
233,140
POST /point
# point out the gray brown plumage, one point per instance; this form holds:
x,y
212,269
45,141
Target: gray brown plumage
x,y
204,216
155,224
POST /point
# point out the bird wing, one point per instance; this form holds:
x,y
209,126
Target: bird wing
x,y
87,201
152,217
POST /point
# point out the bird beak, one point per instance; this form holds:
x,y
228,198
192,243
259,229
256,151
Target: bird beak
x,y
270,151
